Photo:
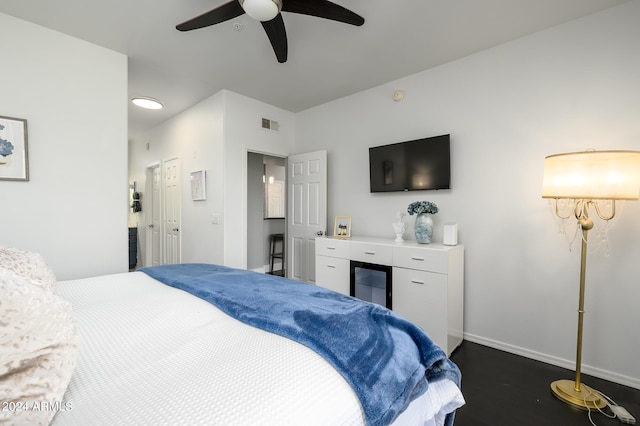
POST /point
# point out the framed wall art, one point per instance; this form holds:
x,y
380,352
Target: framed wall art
x,y
342,227
198,185
14,155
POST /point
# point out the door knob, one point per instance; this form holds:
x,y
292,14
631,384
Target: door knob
x,y
150,226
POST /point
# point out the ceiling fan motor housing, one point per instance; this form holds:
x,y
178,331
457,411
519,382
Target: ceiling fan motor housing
x,y
261,10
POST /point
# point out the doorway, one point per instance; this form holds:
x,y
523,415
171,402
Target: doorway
x,y
266,210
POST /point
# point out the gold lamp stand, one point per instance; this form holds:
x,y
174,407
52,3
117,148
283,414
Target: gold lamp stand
x,y
574,392
584,177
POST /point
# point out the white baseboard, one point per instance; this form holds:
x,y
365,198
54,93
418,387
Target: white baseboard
x,y
261,269
549,359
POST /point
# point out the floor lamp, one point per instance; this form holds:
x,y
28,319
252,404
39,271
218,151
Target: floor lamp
x,y
586,178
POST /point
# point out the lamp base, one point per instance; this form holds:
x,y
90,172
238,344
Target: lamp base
x,y
583,399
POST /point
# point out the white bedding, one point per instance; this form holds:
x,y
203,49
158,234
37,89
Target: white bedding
x,y
151,355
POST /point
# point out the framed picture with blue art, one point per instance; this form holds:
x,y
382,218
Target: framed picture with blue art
x,y
14,155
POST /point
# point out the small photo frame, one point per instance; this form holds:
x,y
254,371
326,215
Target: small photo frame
x,y
198,185
342,227
14,155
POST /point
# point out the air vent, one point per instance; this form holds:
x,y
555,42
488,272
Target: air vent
x,y
269,124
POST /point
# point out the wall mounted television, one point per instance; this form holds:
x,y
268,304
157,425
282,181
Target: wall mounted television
x,y
415,165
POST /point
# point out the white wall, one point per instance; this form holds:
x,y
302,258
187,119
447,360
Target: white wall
x,y
569,88
196,139
73,94
255,211
214,135
243,133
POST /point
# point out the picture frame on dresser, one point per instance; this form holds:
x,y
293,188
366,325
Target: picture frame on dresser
x,y
342,227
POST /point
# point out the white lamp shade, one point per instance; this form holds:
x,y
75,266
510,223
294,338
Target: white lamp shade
x,y
608,175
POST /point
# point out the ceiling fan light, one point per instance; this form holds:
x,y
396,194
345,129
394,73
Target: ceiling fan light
x,y
262,10
148,103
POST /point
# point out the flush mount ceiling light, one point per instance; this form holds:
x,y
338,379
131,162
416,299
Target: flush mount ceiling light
x,y
148,103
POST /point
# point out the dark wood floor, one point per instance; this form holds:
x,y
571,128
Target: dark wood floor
x,y
505,389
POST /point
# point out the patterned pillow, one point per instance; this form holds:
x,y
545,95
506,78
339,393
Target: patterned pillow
x,y
28,265
38,349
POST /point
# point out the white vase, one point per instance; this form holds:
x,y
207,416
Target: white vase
x,y
424,228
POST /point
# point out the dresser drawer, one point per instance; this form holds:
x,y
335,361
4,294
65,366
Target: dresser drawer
x,y
371,253
422,259
333,273
332,247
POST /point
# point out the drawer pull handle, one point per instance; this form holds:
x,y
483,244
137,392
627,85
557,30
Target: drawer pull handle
x,y
369,252
417,282
330,248
331,266
421,259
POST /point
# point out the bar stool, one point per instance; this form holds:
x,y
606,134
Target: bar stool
x,y
274,239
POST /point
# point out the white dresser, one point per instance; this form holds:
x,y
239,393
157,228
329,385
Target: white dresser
x,y
427,280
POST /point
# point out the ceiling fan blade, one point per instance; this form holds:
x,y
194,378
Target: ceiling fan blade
x,y
222,13
277,36
322,9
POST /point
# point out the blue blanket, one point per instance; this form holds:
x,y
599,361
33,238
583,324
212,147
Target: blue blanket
x,y
387,360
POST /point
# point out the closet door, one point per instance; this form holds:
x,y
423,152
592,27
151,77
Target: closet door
x,y
171,216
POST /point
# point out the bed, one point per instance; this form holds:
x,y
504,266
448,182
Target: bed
x,y
200,345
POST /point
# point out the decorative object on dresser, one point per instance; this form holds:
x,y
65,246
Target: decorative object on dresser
x,y
342,227
590,180
399,226
14,158
427,282
424,222
450,234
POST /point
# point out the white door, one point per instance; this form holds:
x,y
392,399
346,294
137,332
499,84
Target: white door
x,y
171,211
307,186
155,223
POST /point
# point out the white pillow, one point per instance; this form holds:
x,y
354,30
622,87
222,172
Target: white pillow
x,y
29,265
38,349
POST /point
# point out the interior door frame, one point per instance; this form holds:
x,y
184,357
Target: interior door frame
x,y
245,213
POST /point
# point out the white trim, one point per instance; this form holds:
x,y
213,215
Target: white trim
x,y
549,359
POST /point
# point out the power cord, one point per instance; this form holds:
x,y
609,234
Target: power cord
x,y
618,411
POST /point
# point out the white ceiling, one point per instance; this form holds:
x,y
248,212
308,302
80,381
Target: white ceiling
x,y
327,60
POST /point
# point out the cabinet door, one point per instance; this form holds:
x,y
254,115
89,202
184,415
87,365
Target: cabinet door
x,y
421,297
333,273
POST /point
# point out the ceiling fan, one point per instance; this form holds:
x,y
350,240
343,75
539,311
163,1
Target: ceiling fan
x,y
268,13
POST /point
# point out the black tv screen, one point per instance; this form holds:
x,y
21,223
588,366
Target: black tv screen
x,y
411,166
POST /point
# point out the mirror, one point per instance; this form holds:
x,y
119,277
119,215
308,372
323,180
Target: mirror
x,y
274,190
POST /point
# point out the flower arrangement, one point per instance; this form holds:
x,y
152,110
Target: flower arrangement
x,y
6,147
418,207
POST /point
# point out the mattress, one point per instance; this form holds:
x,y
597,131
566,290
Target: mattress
x,y
151,354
